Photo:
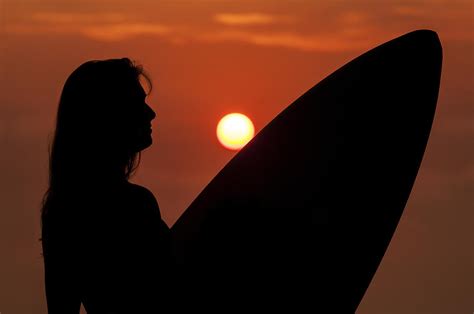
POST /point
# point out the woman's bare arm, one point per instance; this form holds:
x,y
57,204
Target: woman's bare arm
x,y
61,277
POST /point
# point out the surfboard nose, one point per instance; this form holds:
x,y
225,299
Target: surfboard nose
x,y
428,46
421,50
422,35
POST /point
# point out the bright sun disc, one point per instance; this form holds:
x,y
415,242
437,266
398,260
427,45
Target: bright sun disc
x,y
235,130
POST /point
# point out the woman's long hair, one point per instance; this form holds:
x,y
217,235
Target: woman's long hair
x,y
87,142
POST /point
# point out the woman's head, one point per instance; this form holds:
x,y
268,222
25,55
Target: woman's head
x,y
103,122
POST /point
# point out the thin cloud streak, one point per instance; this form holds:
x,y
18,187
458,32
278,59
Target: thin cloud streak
x,y
248,19
105,27
106,32
316,43
121,31
77,18
406,10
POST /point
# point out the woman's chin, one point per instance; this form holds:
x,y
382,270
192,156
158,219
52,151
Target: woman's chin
x,y
144,143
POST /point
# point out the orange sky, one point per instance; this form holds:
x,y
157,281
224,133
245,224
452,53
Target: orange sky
x,y
206,59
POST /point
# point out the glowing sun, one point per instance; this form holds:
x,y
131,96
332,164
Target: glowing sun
x,y
234,131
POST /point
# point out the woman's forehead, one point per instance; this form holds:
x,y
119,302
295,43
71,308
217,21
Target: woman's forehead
x,y
134,90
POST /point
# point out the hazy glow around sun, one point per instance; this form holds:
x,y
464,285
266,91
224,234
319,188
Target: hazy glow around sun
x,y
235,130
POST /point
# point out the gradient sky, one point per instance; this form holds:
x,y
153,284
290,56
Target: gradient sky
x,y
211,57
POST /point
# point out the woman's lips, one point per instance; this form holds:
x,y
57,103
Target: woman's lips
x,y
145,130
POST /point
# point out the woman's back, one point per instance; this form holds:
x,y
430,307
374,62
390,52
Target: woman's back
x,y
109,249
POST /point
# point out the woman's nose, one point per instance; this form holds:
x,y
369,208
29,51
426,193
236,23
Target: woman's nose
x,y
150,114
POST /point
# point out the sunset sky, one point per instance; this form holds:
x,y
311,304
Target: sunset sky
x,y
208,58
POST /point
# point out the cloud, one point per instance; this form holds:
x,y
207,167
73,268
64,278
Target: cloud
x,y
353,18
439,9
321,43
351,35
248,19
409,10
77,18
120,31
106,32
97,26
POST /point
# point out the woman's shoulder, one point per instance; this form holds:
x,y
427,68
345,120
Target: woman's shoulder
x,y
139,190
141,194
143,203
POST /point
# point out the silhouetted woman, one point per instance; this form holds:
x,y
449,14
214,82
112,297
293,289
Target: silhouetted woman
x,y
104,242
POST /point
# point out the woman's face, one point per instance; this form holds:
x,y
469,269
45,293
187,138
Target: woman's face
x,y
137,118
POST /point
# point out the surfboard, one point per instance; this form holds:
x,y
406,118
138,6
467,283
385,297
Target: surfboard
x,y
301,217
